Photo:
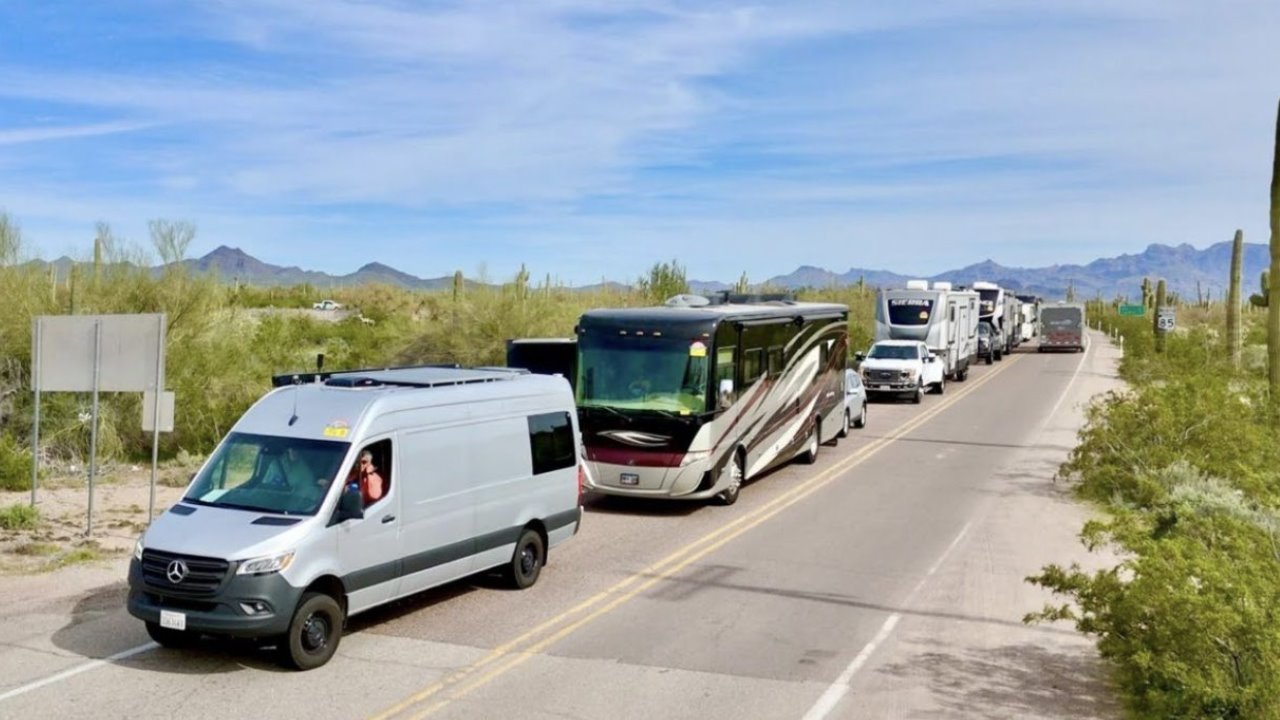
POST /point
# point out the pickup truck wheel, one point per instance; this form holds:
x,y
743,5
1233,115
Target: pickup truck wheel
x,y
919,395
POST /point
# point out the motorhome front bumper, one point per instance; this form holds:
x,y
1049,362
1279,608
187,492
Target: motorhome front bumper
x,y
239,605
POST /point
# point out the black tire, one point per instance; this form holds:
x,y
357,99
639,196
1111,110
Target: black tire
x,y
729,495
170,638
810,454
314,632
527,560
861,422
999,356
918,396
941,387
844,426
989,360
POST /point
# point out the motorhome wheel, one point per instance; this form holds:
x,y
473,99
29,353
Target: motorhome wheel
x,y
810,454
729,495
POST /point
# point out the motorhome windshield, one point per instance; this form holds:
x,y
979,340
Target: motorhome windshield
x,y
987,300
1060,318
910,311
263,473
642,373
894,352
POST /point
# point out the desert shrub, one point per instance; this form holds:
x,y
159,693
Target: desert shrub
x,y
1189,472
19,517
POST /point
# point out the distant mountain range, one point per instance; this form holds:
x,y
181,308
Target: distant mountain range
x,y
1182,267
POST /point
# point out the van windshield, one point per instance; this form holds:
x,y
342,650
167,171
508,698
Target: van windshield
x,y
264,473
642,373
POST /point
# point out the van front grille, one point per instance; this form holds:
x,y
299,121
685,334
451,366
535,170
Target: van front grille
x,y
196,576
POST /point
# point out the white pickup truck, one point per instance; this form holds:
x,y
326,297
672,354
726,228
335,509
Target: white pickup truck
x,y
902,367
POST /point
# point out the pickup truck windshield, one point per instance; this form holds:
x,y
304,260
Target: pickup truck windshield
x,y
894,352
642,373
271,474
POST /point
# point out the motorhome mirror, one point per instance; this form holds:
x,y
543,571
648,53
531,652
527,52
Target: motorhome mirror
x,y
726,387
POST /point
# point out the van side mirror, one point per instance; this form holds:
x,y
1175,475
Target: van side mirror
x,y
350,505
859,357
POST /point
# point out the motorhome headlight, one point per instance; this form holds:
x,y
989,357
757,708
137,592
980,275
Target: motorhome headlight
x,y
266,565
137,550
694,456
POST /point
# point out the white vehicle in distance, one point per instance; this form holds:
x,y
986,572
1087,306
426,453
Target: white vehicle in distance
x,y
902,367
326,305
855,403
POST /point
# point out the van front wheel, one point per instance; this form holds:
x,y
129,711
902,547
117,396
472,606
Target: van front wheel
x,y
527,561
313,633
169,638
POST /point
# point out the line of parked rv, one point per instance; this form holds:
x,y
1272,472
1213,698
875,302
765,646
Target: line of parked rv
x,y
283,533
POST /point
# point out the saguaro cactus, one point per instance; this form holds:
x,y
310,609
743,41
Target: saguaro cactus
x,y
1233,298
1273,308
457,284
1156,320
1148,296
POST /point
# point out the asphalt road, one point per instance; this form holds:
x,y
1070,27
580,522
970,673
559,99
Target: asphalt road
x,y
885,581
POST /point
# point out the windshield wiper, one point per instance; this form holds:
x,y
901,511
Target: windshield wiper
x,y
613,410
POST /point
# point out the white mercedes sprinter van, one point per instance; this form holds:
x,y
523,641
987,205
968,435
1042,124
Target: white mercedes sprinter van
x,y
278,538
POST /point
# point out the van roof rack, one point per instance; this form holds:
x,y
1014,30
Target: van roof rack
x,y
422,376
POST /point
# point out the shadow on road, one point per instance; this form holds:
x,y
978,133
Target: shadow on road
x,y
1012,681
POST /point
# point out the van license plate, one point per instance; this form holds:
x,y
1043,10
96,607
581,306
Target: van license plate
x,y
629,479
173,620
880,387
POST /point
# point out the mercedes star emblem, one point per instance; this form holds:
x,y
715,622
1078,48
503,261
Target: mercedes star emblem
x,y
176,571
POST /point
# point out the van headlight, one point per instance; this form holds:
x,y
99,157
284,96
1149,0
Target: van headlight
x,y
266,565
137,550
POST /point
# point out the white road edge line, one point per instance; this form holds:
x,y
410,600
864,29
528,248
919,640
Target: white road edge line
x,y
1066,390
76,671
838,689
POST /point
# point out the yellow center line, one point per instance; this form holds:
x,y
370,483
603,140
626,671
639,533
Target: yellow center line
x,y
462,682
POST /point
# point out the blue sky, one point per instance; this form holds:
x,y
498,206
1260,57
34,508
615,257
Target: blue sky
x,y
591,138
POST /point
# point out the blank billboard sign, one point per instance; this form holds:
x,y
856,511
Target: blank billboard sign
x,y
130,356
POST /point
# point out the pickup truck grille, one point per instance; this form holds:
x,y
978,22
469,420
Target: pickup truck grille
x,y
882,375
202,577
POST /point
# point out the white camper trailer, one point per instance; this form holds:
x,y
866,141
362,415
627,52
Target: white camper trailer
x,y
994,308
942,317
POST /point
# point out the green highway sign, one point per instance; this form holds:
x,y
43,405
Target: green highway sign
x,y
1133,310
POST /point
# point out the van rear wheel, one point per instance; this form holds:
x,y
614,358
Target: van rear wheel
x,y
314,632
527,561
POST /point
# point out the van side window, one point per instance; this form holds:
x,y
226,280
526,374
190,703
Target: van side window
x,y
371,472
551,442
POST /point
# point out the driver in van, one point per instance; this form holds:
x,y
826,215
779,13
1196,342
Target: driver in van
x,y
365,476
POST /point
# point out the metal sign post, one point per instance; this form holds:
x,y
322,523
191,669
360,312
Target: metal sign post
x,y
155,433
35,424
93,428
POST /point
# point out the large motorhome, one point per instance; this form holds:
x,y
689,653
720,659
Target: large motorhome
x,y
943,318
689,401
992,307
1062,327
